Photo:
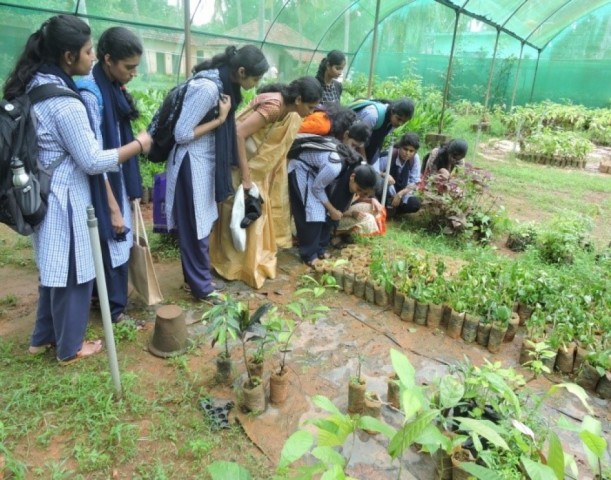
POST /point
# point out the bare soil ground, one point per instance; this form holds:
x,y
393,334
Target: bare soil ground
x,y
323,358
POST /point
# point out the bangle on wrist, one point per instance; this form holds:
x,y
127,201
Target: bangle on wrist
x,y
140,143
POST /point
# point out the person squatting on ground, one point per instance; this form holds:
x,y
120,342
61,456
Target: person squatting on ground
x,y
311,184
266,130
330,69
199,166
58,50
404,175
320,187
442,160
112,109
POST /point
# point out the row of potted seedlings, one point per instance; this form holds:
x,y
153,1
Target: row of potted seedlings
x,y
423,295
486,303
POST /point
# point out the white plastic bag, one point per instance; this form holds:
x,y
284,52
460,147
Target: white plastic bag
x,y
238,234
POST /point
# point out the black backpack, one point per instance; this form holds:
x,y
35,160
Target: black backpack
x,y
338,191
18,141
164,121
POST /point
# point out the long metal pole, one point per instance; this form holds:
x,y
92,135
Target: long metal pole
x,y
515,82
532,90
94,237
188,62
388,162
446,89
373,49
491,72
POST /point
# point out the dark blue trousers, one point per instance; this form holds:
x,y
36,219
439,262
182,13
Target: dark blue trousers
x,y
116,283
194,253
63,312
313,237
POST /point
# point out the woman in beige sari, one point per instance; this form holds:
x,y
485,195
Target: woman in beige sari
x,y
265,132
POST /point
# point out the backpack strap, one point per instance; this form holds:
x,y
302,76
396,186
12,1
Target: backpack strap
x,y
88,85
359,105
49,90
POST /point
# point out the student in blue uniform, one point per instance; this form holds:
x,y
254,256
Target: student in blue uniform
x,y
318,195
112,110
58,50
404,175
198,171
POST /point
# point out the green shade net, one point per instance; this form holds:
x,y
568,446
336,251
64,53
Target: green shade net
x,y
552,49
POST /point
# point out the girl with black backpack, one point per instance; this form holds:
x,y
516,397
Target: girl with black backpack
x,y
58,50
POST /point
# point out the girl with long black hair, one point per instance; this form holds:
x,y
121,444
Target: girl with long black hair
x,y
199,166
112,110
266,130
60,49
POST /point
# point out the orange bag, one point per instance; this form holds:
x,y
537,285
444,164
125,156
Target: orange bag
x,y
381,222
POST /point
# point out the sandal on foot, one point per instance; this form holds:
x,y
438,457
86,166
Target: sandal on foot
x,y
324,256
89,348
40,349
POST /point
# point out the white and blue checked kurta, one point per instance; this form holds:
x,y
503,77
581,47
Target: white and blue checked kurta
x,y
201,96
119,251
63,128
314,172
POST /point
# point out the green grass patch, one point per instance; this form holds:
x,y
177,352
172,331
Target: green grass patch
x,y
155,430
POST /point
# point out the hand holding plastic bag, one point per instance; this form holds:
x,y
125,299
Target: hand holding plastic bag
x,y
252,206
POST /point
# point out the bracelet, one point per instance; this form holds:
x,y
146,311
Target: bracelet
x,y
140,143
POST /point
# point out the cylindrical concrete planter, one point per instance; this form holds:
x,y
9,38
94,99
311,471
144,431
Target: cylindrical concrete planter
x,y
373,405
420,313
445,316
278,387
407,311
348,282
455,324
603,389
380,295
253,398
397,304
588,377
433,317
497,334
580,357
483,334
356,396
566,358
512,327
469,328
370,294
359,285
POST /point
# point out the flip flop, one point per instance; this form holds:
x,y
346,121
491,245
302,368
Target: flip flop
x,y
40,349
89,348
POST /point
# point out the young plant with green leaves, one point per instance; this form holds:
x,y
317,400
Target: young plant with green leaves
x,y
224,321
302,309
